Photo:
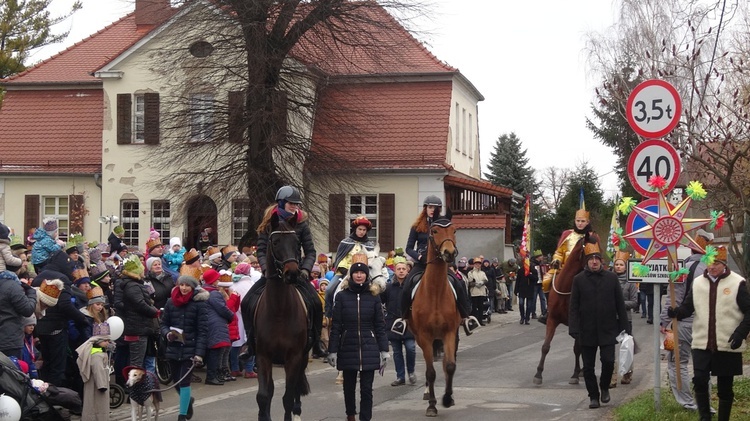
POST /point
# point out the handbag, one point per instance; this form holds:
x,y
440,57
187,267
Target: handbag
x,y
669,341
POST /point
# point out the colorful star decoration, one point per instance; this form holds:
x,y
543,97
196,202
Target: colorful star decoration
x,y
668,229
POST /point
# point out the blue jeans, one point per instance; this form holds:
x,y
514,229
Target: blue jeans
x,y
647,305
542,299
398,356
234,360
524,305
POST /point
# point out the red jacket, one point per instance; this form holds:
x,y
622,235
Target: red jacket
x,y
234,304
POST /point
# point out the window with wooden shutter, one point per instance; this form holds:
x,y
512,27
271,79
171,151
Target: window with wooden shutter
x,y
76,212
336,222
151,120
364,205
386,221
30,213
124,110
236,105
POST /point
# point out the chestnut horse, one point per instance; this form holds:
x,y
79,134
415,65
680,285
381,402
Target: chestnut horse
x,y
280,323
433,311
558,306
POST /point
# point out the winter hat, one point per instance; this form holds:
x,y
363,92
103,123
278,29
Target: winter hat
x,y
98,272
322,258
316,268
153,243
150,261
49,291
119,230
359,267
191,256
225,278
31,320
213,252
175,241
95,295
323,282
242,269
95,254
50,225
4,232
252,259
133,266
210,276
188,280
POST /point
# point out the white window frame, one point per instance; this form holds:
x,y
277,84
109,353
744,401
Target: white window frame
x,y
201,117
60,211
363,208
129,219
458,128
139,118
161,218
240,210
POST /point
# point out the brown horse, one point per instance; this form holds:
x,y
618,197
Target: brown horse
x,y
558,306
433,312
280,324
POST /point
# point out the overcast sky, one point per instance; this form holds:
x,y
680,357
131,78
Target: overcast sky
x,y
526,57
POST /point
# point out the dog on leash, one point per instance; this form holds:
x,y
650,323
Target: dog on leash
x,y
144,393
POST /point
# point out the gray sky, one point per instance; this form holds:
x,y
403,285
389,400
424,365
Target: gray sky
x,y
526,57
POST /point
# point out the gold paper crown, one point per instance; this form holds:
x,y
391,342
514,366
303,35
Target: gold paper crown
x,y
212,250
229,249
721,254
359,258
191,271
622,255
50,291
537,253
582,214
190,256
80,273
225,276
591,249
95,292
152,244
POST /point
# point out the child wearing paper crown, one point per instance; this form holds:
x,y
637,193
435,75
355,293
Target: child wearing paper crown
x,y
93,363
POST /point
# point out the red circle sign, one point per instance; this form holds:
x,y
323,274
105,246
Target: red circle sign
x,y
653,157
654,108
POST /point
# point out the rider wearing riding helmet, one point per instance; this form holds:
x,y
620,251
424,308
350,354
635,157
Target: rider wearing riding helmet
x,y
416,248
287,207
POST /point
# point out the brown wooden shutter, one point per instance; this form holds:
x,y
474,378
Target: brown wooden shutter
x,y
235,122
76,212
30,214
151,118
386,221
124,122
336,223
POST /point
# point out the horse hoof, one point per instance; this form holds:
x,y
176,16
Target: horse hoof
x,y
573,380
448,401
431,412
537,380
426,397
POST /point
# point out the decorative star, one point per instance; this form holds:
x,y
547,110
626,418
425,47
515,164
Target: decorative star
x,y
668,229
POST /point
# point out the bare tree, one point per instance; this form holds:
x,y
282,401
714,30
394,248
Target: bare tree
x,y
702,48
553,183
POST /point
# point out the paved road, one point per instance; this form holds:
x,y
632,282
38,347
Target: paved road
x,y
493,381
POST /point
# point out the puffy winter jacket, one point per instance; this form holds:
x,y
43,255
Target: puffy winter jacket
x,y
6,256
16,302
218,316
44,246
56,318
358,329
233,303
162,288
135,307
191,318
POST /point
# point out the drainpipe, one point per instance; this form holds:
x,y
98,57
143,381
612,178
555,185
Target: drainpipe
x,y
98,182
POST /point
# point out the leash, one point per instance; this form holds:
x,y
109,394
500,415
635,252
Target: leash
x,y
190,370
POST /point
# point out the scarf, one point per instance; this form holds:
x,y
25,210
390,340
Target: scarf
x,y
178,299
362,240
282,212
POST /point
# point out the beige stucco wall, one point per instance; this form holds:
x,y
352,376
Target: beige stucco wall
x,y
17,187
463,159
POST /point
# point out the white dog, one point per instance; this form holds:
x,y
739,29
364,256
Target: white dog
x,y
143,393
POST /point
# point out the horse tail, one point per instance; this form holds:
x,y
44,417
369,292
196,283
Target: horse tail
x,y
303,386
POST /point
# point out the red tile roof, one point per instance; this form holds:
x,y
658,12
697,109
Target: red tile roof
x,y
78,62
479,221
389,125
51,131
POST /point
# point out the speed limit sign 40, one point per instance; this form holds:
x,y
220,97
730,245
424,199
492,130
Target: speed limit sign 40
x,y
654,108
653,157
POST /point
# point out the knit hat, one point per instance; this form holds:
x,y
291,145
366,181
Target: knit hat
x,y
50,225
49,291
95,252
252,259
150,261
213,252
95,295
4,232
188,280
225,278
359,267
191,256
228,251
315,268
242,269
323,282
119,230
322,258
31,320
152,244
98,272
19,248
210,276
133,266
175,241
81,276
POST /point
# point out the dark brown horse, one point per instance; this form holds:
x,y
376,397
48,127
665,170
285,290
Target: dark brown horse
x,y
434,315
558,306
280,324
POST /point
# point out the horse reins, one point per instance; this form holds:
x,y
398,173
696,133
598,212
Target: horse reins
x,y
436,247
554,276
279,264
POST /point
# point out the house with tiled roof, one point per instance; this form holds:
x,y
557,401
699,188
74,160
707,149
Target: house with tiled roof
x,y
419,117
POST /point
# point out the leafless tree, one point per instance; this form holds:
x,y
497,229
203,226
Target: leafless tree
x,y
553,182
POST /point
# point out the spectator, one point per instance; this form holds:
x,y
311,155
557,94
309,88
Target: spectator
x,y
525,285
93,363
161,281
205,240
218,316
133,303
29,353
537,260
6,256
17,301
597,316
630,295
720,302
510,269
477,280
175,256
489,270
232,300
115,239
248,277
400,344
228,257
45,243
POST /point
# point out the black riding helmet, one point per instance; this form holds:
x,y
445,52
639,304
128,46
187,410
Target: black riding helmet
x,y
433,200
289,194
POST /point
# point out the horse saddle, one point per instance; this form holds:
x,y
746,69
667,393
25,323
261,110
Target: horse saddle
x,y
418,280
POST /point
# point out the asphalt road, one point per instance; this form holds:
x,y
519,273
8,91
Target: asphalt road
x,y
493,381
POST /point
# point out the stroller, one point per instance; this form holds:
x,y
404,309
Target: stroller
x,y
487,309
34,405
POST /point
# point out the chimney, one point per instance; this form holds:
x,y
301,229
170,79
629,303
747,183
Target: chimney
x,y
151,12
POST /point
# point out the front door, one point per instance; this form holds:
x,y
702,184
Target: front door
x,y
201,214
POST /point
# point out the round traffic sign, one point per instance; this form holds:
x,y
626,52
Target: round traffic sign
x,y
654,108
653,157
636,222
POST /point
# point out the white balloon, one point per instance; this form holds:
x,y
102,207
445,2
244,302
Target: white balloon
x,y
116,327
10,410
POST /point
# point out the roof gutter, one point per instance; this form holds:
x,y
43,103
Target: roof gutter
x,y
58,86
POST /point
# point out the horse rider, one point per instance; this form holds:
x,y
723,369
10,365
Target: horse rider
x,y
287,206
416,247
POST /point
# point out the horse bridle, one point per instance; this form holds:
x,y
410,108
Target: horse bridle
x,y
436,247
279,263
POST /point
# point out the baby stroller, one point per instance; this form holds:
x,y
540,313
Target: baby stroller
x,y
34,405
487,309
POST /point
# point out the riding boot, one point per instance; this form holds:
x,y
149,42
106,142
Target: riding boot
x,y
702,400
725,409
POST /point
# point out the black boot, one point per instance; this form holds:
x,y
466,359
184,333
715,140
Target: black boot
x,y
725,409
702,400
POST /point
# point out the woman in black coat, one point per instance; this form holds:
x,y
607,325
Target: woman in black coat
x,y
358,342
185,327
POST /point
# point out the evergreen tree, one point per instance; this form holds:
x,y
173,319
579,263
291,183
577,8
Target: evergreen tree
x,y
509,167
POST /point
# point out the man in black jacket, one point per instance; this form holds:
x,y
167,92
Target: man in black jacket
x,y
597,316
